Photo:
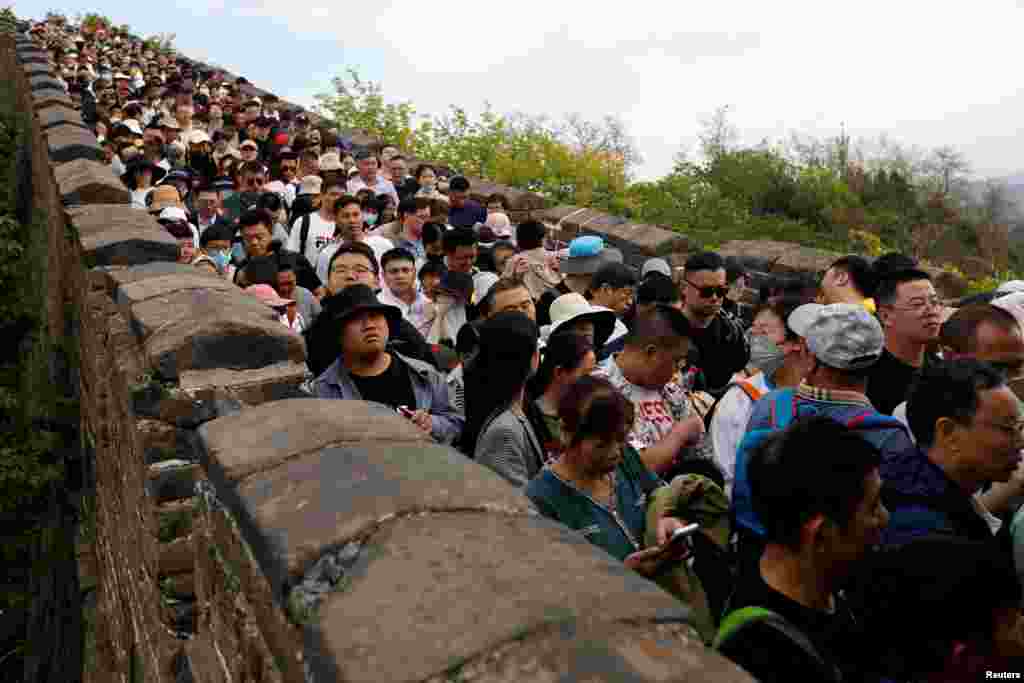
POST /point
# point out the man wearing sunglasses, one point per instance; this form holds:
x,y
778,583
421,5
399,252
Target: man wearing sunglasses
x,y
719,348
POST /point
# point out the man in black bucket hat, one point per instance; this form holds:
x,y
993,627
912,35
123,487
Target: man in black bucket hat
x,y
366,370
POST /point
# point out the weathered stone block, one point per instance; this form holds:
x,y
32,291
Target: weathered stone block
x,y
806,260
37,69
253,387
443,589
115,276
86,181
68,142
263,437
294,513
600,653
47,97
175,407
129,246
140,291
56,115
201,322
172,480
42,82
176,557
164,441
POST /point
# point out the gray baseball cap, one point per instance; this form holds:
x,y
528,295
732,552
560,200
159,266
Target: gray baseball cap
x,y
656,265
841,336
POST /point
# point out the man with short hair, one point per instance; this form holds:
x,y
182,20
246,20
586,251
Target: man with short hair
x,y
968,426
666,430
909,310
845,341
816,486
255,226
252,177
407,231
209,208
311,232
720,347
366,370
369,177
463,212
354,264
460,250
402,291
349,228
505,295
849,280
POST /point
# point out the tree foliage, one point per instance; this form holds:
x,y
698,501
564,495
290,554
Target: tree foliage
x,y
574,160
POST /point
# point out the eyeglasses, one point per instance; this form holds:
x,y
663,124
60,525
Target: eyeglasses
x,y
708,292
920,305
1014,431
254,182
355,270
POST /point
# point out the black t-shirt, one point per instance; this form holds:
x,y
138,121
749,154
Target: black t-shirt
x,y
772,657
889,381
720,350
393,387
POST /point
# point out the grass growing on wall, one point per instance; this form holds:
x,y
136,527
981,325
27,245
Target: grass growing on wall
x,y
28,399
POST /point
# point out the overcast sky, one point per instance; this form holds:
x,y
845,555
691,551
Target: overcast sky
x,y
926,73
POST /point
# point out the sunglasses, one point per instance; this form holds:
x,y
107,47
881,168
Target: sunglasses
x,y
708,292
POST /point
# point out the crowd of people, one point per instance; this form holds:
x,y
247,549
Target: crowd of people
x,y
830,479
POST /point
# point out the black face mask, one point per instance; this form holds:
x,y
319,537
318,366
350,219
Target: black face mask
x,y
435,258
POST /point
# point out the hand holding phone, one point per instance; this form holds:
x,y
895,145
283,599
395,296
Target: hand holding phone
x,y
680,537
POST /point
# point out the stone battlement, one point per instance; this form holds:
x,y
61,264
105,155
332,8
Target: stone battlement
x,y
244,533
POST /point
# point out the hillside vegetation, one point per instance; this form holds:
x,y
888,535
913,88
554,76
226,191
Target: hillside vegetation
x,y
867,196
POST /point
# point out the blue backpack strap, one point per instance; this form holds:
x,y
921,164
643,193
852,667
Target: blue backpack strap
x,y
783,408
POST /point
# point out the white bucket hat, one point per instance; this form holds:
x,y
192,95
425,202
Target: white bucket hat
x,y
571,308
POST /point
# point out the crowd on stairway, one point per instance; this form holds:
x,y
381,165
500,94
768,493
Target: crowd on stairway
x,y
830,477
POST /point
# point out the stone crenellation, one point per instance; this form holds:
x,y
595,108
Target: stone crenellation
x,y
245,533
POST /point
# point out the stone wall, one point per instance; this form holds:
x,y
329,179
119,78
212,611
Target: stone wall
x,y
244,533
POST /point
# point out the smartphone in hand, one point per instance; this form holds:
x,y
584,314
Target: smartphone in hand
x,y
680,536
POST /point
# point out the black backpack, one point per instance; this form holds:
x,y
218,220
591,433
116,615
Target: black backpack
x,y
303,232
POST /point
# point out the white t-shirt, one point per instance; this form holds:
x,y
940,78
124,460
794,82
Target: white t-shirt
x,y
729,424
379,245
320,235
656,412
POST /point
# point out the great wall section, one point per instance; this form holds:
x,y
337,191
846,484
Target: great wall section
x,y
244,533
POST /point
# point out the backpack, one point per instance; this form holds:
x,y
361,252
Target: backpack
x,y
784,411
738,621
752,392
303,233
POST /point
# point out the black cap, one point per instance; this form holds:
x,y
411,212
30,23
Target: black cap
x,y
614,275
354,300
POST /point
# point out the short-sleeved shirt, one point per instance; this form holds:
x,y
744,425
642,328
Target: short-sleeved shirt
x,y
656,410
392,387
467,215
621,536
889,381
319,236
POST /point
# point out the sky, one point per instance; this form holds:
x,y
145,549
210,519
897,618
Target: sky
x,y
926,74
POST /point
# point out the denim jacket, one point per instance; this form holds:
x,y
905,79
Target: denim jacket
x,y
428,387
